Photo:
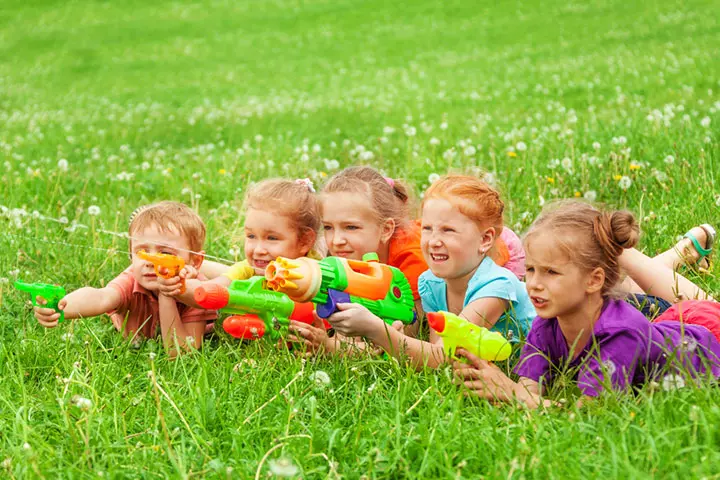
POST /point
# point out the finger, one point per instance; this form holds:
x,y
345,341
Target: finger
x,y
62,304
40,300
48,323
317,321
343,307
470,374
474,360
45,312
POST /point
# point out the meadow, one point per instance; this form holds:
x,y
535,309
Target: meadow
x,y
105,106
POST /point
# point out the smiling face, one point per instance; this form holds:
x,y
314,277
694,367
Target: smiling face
x,y
351,228
269,235
453,244
557,286
153,240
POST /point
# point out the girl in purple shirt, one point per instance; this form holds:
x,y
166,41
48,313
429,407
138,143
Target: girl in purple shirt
x,y
574,255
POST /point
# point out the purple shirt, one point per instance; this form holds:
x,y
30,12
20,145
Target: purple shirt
x,y
625,350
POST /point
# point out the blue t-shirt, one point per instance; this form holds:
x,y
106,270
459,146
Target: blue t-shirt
x,y
489,281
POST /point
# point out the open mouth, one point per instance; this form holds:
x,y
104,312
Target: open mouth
x,y
438,257
538,302
261,263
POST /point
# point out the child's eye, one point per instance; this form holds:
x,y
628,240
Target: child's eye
x,y
352,227
273,238
250,235
530,269
167,252
327,227
448,229
426,228
553,272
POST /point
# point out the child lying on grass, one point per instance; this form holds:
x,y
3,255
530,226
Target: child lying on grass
x,y
132,299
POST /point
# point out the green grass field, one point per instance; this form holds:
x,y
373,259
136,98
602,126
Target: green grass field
x,y
116,104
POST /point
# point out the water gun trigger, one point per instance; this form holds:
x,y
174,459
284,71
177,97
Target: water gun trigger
x,y
330,306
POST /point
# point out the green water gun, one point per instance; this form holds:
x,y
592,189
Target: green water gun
x,y
457,333
382,289
51,293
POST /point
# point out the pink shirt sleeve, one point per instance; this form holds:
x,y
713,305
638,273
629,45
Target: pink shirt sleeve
x,y
123,283
516,264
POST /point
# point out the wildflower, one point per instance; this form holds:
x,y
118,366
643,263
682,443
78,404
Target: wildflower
x,y
694,414
635,166
331,164
625,182
448,155
434,141
590,195
152,356
222,171
366,156
371,388
14,273
705,122
434,177
258,138
26,446
520,146
410,131
81,402
577,194
388,130
717,200
672,381
283,467
62,165
669,160
93,210
320,378
512,154
550,179
567,163
469,151
596,145
443,126
316,148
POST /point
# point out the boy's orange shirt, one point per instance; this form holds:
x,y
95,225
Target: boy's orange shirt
x,y
405,253
140,310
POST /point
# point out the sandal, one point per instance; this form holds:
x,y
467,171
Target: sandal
x,y
704,260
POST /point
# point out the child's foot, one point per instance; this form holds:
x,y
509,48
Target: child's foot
x,y
696,246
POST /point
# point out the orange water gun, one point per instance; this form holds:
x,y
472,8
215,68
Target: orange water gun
x,y
166,266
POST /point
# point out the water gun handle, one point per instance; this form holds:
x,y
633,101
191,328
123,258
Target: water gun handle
x,y
166,266
51,293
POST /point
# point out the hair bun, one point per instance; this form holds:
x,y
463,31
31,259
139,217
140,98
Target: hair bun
x,y
624,229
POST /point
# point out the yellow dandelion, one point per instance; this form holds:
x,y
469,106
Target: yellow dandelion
x,y
635,166
323,174
617,177
222,171
550,180
512,154
577,194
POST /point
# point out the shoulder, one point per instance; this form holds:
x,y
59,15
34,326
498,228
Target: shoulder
x,y
492,280
620,318
125,282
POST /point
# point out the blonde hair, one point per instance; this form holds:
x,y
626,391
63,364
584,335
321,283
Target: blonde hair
x,y
589,237
295,200
170,217
388,198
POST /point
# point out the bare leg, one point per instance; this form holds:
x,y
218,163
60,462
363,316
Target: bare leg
x,y
647,275
683,252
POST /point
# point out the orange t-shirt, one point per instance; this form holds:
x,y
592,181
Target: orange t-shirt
x,y
405,253
142,310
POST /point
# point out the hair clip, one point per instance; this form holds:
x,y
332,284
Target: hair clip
x,y
136,212
390,182
307,183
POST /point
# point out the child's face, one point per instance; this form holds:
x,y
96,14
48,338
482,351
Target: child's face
x,y
152,240
452,243
269,235
351,229
554,283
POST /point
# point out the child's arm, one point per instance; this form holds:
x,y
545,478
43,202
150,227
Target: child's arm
x,y
213,269
174,330
84,302
354,320
486,380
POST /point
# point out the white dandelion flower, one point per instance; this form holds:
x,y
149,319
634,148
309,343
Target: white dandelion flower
x,y
93,210
590,195
625,182
62,165
283,467
705,122
434,141
669,160
320,378
520,146
433,177
672,381
596,145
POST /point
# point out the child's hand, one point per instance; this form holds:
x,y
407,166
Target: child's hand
x,y
47,317
314,336
354,320
483,378
172,287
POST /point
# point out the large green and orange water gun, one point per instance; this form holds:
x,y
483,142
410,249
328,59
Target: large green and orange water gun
x,y
51,293
458,332
257,311
383,289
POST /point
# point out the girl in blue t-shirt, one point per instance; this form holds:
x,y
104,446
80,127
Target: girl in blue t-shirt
x,y
461,218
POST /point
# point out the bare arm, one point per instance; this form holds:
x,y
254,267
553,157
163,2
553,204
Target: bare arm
x,y
213,269
82,303
174,330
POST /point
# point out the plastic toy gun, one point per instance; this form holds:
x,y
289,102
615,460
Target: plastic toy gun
x,y
383,289
52,293
167,266
458,332
258,312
